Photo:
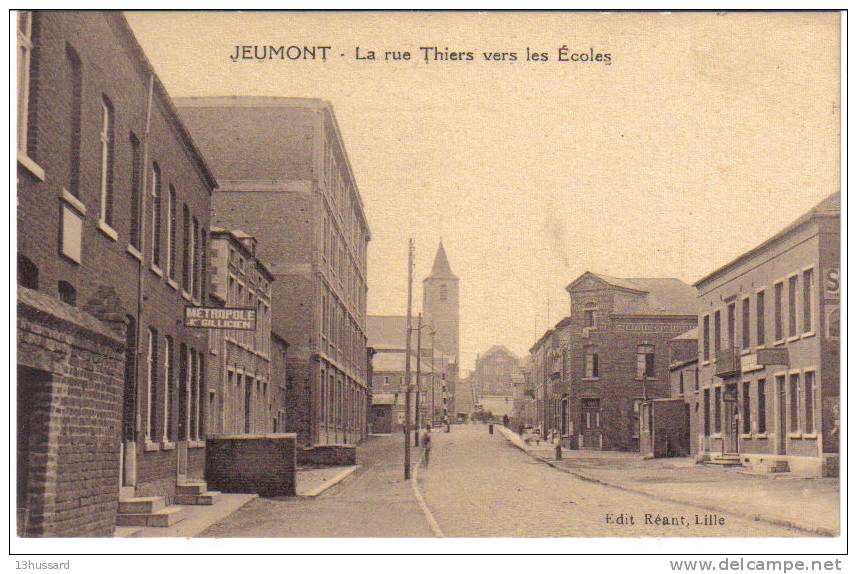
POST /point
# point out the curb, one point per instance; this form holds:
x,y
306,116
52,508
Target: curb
x,y
330,483
435,527
816,530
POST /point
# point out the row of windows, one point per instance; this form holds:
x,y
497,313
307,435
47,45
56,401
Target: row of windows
x,y
245,405
795,392
340,334
239,295
163,257
344,199
163,416
341,404
792,306
645,362
342,267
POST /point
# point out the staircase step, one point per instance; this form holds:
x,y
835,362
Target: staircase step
x,y
207,498
141,505
160,518
724,461
192,488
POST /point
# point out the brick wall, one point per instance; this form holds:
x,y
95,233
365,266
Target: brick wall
x,y
265,464
70,384
328,455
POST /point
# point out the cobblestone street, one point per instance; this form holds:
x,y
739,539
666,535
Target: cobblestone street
x,y
477,485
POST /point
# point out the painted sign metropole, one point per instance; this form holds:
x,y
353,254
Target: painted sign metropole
x,y
237,318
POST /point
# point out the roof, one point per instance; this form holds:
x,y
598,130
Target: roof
x,y
662,295
441,269
386,331
383,399
236,236
830,206
394,362
691,335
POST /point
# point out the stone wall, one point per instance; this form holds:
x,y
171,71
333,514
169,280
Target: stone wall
x,y
261,464
328,455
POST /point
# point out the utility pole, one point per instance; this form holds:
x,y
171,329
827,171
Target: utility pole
x,y
433,420
408,363
419,387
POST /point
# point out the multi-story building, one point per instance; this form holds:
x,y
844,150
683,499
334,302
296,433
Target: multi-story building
x,y
243,398
618,334
495,372
285,178
769,350
112,213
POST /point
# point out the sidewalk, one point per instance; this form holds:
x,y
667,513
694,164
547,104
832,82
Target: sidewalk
x,y
312,481
811,505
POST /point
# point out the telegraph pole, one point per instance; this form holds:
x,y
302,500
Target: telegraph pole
x,y
419,387
408,363
433,418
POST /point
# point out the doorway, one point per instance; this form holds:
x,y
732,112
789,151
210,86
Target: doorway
x,y
28,381
781,414
591,411
731,412
128,440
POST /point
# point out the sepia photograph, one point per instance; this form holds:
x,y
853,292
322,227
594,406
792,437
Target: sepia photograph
x,y
421,275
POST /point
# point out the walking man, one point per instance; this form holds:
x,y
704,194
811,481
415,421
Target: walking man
x,y
426,442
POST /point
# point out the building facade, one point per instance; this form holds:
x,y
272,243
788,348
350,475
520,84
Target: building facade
x,y
285,178
769,351
617,355
242,396
112,213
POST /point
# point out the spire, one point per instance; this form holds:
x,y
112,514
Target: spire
x,y
441,264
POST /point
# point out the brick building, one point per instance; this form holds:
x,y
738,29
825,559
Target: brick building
x,y
112,212
285,178
769,351
617,354
242,396
495,372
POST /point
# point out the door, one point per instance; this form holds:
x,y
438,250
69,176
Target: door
x,y
731,413
185,375
591,411
128,439
781,415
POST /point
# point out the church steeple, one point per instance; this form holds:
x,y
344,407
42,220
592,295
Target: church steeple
x,y
441,268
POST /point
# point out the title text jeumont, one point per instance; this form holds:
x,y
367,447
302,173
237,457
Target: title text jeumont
x,y
426,54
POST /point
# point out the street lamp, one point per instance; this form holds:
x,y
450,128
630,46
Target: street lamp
x,y
419,331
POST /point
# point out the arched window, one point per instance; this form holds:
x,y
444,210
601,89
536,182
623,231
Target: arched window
x,y
589,314
68,294
28,273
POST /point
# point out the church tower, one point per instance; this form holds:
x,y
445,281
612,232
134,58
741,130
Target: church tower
x,y
440,304
440,310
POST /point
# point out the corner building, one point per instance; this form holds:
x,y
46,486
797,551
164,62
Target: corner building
x,y
112,211
284,178
769,351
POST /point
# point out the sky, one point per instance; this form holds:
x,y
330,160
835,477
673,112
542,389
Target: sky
x,y
705,134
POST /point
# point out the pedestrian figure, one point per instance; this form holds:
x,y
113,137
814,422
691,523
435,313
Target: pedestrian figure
x,y
426,446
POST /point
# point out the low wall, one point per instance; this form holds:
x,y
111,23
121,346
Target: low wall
x,y
328,455
260,464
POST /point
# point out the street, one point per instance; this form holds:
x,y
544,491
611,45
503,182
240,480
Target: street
x,y
478,485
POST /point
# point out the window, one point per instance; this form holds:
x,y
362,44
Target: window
x,y
718,342
25,52
778,311
106,137
28,273
706,403
186,250
156,215
706,338
696,378
193,390
200,384
793,306
745,323
68,294
136,182
760,318
809,401
75,80
168,388
807,301
745,399
730,326
444,292
681,382
589,315
151,382
717,404
645,361
171,233
794,390
763,420
591,367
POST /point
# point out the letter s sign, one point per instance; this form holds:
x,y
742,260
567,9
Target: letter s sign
x,y
831,282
